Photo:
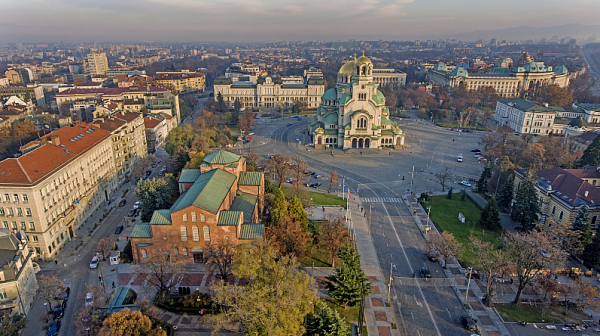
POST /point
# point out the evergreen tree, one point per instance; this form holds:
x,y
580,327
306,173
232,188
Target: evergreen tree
x,y
490,216
296,211
506,193
591,254
348,282
591,155
450,193
463,195
221,106
483,179
154,195
582,223
326,321
278,209
525,209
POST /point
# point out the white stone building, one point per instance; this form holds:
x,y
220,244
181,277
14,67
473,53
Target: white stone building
x,y
18,284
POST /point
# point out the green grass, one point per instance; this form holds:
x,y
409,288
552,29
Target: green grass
x,y
327,199
318,256
456,125
444,212
401,115
530,313
234,130
350,314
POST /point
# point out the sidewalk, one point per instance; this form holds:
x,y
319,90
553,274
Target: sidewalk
x,y
379,318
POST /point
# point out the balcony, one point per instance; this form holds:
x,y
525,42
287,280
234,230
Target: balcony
x,y
8,303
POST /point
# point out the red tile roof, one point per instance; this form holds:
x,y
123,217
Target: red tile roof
x,y
151,122
587,172
109,91
568,187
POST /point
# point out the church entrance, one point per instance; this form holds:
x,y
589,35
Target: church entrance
x,y
353,143
360,143
368,143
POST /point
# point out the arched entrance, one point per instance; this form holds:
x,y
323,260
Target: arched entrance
x,y
198,255
368,143
319,141
360,143
353,143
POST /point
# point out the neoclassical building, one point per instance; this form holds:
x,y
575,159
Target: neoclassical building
x,y
353,113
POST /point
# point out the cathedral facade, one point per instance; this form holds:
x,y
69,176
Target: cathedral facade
x,y
353,113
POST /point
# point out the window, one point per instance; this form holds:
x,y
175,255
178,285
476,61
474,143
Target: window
x,y
7,197
202,218
23,227
35,238
196,233
16,197
19,212
11,212
38,250
5,224
185,252
594,219
49,249
25,198
176,251
185,217
183,233
144,254
560,215
3,294
553,209
28,211
206,233
1,211
194,217
14,225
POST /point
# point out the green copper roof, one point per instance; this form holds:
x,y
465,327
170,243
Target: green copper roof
x,y
161,217
250,178
245,203
204,164
387,132
189,175
528,106
440,67
221,157
251,231
208,192
316,81
233,165
379,97
348,126
386,121
347,68
345,99
331,131
459,72
229,218
330,94
331,118
142,230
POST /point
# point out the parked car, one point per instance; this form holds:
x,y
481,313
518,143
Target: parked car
x,y
475,150
65,294
136,204
161,173
131,212
249,138
89,299
460,158
474,273
53,329
465,183
289,180
432,255
289,124
251,133
469,323
319,176
122,203
316,185
59,310
119,229
154,165
308,184
425,273
94,262
148,172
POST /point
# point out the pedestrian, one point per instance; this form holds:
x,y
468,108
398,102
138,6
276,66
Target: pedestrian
x,y
452,140
323,209
202,312
113,284
389,153
360,153
55,262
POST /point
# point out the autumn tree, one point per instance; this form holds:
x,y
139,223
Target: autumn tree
x,y
332,181
50,287
140,167
554,95
587,295
280,166
298,173
252,158
569,238
445,244
491,261
221,254
164,270
285,295
127,322
12,325
526,207
332,235
154,195
289,237
529,253
443,175
85,319
246,121
105,246
179,137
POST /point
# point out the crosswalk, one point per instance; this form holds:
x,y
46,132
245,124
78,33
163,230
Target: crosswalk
x,y
381,200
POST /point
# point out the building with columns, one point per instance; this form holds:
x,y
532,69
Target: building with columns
x,y
353,113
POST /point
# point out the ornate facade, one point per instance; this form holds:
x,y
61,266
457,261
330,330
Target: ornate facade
x,y
353,113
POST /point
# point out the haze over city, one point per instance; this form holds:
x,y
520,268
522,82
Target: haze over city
x,y
267,20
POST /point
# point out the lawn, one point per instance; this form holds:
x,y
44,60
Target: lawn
x,y
321,198
530,313
444,213
318,256
350,314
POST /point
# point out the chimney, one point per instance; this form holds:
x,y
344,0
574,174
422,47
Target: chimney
x,y
55,140
586,193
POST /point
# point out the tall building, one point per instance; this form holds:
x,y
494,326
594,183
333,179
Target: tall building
x,y
95,63
58,182
181,82
18,284
353,113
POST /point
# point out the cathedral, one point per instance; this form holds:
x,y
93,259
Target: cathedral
x,y
353,113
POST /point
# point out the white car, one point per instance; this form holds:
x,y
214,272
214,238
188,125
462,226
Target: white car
x,y
297,139
136,205
89,299
465,183
94,262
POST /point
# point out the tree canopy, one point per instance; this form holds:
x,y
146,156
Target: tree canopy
x,y
348,283
129,323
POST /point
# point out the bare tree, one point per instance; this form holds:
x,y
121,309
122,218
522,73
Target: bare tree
x,y
221,255
280,166
445,244
86,322
491,262
443,175
299,173
141,166
252,157
333,180
165,273
50,288
333,235
587,295
529,253
105,245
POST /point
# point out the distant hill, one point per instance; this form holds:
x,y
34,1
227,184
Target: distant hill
x,y
577,31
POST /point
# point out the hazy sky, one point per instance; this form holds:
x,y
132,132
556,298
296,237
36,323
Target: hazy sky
x,y
275,20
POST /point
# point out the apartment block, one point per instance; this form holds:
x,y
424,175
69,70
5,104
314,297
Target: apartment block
x,y
95,63
18,284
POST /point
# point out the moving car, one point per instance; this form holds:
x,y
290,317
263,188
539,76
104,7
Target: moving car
x,y
425,273
289,124
122,203
469,323
289,180
119,229
154,165
460,158
94,262
89,299
319,176
465,183
53,329
136,204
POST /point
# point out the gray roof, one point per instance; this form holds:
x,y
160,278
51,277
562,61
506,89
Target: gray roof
x,y
251,231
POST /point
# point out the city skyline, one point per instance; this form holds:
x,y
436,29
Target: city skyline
x,y
266,20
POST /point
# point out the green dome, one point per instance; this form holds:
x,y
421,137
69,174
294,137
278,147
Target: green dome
x,y
578,122
363,60
347,68
330,94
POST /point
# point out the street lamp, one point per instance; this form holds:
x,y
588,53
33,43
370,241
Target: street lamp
x,y
468,284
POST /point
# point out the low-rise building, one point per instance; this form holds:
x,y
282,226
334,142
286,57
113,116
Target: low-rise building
x,y
18,284
182,82
30,92
221,200
527,117
389,77
156,132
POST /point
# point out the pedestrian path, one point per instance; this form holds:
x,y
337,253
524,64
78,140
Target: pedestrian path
x,y
381,200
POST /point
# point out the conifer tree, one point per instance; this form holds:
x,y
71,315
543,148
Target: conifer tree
x,y
326,321
296,211
591,155
525,209
483,179
450,193
582,223
278,209
490,216
591,254
348,282
506,193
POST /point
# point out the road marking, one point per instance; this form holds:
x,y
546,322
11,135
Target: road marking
x,y
383,233
436,289
413,316
386,244
448,312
